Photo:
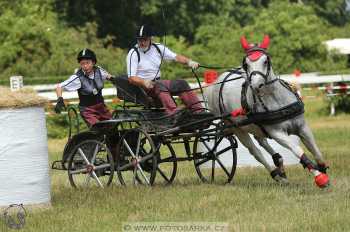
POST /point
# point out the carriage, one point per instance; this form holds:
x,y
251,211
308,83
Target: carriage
x,y
143,145
138,143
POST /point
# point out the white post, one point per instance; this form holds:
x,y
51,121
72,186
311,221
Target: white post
x,y
332,109
332,106
16,83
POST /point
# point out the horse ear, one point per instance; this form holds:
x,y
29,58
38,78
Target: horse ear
x,y
265,43
244,43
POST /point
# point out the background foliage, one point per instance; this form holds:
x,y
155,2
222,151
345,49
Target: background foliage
x,y
40,38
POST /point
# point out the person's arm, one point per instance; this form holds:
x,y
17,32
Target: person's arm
x,y
59,91
60,102
105,75
146,84
71,84
132,66
185,60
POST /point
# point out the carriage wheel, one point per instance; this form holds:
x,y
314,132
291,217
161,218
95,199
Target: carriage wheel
x,y
167,163
209,160
90,165
136,160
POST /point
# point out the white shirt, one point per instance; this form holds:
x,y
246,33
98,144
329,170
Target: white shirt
x,y
148,67
73,82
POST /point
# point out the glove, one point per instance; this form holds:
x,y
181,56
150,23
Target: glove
x,y
59,105
148,84
112,79
193,64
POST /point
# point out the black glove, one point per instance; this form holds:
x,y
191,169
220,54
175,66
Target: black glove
x,y
59,105
112,79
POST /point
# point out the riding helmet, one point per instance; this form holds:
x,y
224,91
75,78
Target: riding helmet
x,y
86,54
144,31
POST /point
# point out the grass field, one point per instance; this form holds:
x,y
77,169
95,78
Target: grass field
x,y
252,202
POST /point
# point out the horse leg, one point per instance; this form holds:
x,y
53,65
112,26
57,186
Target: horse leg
x,y
310,143
282,138
276,157
248,143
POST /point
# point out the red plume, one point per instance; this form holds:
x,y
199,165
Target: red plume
x,y
265,43
244,43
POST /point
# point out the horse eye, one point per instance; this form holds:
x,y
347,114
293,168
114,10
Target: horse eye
x,y
266,62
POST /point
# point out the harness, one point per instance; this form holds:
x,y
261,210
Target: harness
x,y
271,117
138,53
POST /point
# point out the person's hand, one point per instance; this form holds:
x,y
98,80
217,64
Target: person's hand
x,y
193,64
112,79
148,84
59,105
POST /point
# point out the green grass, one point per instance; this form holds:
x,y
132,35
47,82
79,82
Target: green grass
x,y
253,202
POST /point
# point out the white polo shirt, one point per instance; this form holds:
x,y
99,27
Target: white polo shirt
x,y
148,67
73,82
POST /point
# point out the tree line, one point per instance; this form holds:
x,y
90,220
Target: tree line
x,y
42,37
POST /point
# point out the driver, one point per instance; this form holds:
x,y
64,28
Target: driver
x,y
143,67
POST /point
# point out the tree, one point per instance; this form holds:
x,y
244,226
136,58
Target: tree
x,y
34,43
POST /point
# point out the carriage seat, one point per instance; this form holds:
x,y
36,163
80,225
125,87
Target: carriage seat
x,y
134,94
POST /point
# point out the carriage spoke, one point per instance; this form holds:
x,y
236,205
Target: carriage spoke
x,y
95,153
212,170
138,144
125,167
145,158
206,145
143,174
202,161
134,174
162,174
222,151
129,149
217,143
97,179
83,156
166,160
102,166
79,171
222,166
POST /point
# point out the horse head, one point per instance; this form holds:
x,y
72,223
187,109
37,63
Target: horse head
x,y
257,63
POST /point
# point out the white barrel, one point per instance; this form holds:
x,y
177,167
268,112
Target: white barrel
x,y
24,169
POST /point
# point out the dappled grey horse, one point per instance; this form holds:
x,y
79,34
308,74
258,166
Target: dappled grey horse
x,y
265,106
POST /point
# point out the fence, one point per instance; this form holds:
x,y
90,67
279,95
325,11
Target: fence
x,y
335,86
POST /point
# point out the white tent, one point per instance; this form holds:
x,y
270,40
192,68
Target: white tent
x,y
340,45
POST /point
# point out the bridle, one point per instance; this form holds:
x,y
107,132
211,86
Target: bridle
x,y
255,92
245,65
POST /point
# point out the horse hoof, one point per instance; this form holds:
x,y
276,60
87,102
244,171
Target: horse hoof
x,y
322,167
322,180
283,174
279,176
281,180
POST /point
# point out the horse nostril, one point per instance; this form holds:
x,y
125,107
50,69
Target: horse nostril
x,y
261,85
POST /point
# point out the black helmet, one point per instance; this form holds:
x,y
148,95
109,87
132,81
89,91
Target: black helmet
x,y
144,31
86,54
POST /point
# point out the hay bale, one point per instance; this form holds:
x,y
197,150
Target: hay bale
x,y
24,168
22,98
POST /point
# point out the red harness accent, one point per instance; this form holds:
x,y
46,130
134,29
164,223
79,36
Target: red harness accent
x,y
253,56
238,112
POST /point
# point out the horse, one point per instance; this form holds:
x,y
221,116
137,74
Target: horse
x,y
261,104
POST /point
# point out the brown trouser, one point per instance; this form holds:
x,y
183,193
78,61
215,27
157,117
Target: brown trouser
x,y
165,89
